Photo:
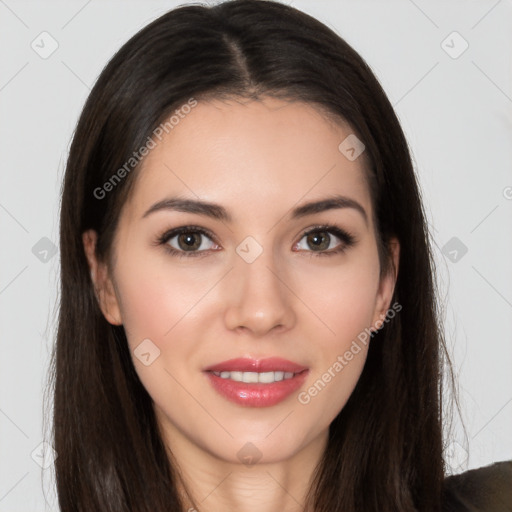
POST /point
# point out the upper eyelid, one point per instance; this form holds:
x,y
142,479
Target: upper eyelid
x,y
171,233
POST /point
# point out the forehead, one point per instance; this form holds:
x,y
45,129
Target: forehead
x,y
250,155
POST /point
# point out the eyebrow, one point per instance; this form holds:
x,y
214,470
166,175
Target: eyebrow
x,y
218,212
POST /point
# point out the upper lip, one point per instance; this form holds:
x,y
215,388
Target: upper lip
x,y
271,364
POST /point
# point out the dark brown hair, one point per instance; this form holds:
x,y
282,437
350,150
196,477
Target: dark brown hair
x,y
385,446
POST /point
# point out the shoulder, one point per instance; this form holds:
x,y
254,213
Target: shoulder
x,y
486,489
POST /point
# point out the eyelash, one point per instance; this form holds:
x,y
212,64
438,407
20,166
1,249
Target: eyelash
x,y
347,240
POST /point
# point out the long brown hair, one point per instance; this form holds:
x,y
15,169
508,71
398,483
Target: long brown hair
x,y
385,446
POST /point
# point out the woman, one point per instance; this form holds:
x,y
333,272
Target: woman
x,y
248,316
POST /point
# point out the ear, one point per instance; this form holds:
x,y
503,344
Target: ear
x,y
103,285
386,286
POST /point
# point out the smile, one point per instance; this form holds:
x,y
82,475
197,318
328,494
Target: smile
x,y
255,377
256,389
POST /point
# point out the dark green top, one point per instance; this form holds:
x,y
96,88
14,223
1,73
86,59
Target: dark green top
x,y
487,489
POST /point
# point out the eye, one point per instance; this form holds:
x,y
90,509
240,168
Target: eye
x,y
194,241
187,241
326,240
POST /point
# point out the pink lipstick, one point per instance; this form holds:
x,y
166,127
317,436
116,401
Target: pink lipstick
x,y
256,383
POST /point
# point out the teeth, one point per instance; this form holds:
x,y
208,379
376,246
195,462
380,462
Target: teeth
x,y
255,377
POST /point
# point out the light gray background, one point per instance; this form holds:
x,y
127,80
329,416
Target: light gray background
x,y
457,115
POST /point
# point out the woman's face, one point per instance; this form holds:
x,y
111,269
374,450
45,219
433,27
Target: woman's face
x,y
244,280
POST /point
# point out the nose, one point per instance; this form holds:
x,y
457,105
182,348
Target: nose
x,y
259,297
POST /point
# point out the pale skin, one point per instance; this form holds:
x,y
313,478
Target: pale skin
x,y
258,160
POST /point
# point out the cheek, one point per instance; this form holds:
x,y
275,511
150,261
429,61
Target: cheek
x,y
155,299
162,305
341,298
159,304
328,390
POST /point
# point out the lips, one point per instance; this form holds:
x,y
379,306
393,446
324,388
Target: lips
x,y
272,364
256,394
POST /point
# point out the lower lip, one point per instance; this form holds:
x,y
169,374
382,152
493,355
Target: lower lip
x,y
257,394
